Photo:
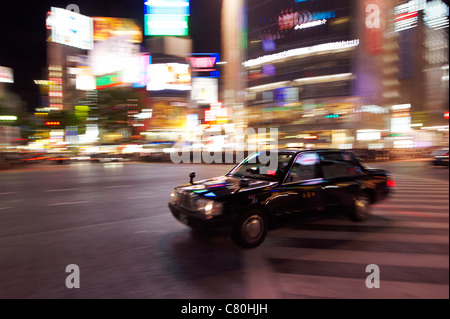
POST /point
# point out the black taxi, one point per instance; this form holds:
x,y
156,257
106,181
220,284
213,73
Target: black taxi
x,y
247,201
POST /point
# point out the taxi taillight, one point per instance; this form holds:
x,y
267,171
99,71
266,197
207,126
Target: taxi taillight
x,y
391,182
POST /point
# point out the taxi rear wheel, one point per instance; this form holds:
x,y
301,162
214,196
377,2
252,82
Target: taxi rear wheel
x,y
250,229
361,208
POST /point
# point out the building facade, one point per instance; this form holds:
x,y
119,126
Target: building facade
x,y
346,74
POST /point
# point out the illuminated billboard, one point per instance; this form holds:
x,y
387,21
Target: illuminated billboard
x,y
142,76
107,81
112,55
288,23
6,75
204,64
166,17
85,82
106,28
169,76
70,28
205,90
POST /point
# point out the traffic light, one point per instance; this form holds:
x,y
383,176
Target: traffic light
x,y
446,115
53,123
332,116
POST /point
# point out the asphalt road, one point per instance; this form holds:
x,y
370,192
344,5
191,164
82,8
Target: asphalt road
x,y
112,221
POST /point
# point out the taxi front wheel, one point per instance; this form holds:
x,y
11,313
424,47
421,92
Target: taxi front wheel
x,y
250,229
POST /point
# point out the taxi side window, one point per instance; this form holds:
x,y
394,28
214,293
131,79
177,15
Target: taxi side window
x,y
304,168
339,165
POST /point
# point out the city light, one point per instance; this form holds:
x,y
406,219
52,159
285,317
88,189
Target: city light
x,y
169,76
325,78
310,24
368,135
327,47
166,17
435,14
71,28
8,118
6,75
52,123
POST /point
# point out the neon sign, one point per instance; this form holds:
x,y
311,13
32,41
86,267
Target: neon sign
x,y
166,17
204,64
310,24
6,75
169,76
302,19
435,14
106,28
218,114
106,81
331,46
70,28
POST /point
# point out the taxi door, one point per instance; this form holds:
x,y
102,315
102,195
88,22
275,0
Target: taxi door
x,y
302,186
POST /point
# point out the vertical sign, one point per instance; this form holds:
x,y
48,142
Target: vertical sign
x,y
374,26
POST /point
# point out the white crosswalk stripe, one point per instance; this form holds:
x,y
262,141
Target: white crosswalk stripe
x,y
407,236
349,288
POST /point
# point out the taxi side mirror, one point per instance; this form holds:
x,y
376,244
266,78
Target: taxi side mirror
x,y
192,176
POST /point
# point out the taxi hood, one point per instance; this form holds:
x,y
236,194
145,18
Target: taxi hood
x,y
225,185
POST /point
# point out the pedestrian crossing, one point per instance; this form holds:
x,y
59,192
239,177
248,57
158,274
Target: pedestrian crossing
x,y
406,236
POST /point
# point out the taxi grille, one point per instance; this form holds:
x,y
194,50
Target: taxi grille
x,y
186,200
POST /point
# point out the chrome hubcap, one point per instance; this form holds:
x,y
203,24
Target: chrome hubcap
x,y
362,206
253,228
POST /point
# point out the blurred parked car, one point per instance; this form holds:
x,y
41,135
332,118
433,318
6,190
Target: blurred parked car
x,y
440,157
34,157
109,158
158,151
59,158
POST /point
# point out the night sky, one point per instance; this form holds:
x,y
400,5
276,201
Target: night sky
x,y
23,34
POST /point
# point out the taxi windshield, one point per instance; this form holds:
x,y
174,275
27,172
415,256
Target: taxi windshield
x,y
257,165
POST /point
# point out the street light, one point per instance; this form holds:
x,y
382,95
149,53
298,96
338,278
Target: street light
x,y
8,118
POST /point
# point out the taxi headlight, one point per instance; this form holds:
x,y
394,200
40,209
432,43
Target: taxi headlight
x,y
174,196
209,207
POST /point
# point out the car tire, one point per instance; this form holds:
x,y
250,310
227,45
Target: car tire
x,y
360,209
251,229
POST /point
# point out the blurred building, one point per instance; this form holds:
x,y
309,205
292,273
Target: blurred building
x,y
166,31
234,44
68,34
169,83
85,56
10,102
417,49
343,73
11,105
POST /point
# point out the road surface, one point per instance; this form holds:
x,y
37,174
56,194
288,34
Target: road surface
x,y
112,221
